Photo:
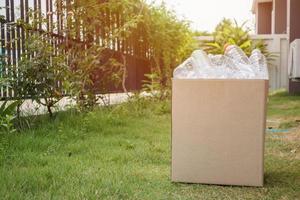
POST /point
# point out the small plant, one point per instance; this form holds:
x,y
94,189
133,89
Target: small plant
x,y
7,112
155,88
7,116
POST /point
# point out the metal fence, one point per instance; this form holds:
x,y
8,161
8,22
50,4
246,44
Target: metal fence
x,y
12,38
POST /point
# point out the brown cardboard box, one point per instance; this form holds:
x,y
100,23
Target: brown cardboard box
x,y
218,131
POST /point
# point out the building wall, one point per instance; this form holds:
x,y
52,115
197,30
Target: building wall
x,y
264,16
280,16
294,19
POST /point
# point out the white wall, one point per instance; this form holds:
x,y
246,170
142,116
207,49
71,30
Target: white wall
x,y
278,69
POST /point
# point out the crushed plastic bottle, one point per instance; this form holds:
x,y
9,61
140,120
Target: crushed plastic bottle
x,y
233,65
255,58
259,63
201,58
221,60
188,68
237,54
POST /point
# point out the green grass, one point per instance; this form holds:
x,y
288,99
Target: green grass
x,y
124,153
283,105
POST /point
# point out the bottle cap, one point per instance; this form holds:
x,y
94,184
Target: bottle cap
x,y
226,46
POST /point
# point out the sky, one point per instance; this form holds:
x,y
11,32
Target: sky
x,y
206,14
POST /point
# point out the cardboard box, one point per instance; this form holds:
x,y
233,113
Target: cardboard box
x,y
218,131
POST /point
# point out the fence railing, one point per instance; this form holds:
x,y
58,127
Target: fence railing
x,y
134,48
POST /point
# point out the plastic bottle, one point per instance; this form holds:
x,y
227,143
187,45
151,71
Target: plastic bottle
x,y
201,58
237,54
257,58
221,60
259,62
187,70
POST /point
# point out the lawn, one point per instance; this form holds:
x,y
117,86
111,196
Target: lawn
x,y
123,152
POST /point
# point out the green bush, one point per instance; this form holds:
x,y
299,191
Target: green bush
x,y
83,67
41,77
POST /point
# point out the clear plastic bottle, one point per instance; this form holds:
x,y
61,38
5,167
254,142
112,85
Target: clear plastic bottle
x,y
259,62
237,54
221,60
187,70
257,58
201,58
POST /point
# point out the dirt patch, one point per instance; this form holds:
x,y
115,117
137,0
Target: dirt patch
x,y
293,136
290,144
283,123
288,106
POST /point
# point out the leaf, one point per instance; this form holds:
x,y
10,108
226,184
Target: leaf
x,y
10,109
213,45
3,107
246,44
231,41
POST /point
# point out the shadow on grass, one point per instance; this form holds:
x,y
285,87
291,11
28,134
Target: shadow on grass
x,y
279,179
272,179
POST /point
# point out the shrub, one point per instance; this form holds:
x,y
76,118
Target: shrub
x,y
42,72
